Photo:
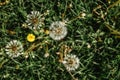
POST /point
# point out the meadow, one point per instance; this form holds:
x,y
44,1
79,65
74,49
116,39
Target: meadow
x,y
59,39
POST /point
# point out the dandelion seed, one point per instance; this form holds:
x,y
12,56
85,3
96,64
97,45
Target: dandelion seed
x,y
35,20
31,37
58,30
14,48
71,62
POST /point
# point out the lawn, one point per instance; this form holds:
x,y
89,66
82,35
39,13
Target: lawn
x,y
59,39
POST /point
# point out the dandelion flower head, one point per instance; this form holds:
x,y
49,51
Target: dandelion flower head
x,y
31,37
71,62
14,48
58,30
35,20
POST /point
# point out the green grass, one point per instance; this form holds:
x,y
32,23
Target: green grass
x,y
95,39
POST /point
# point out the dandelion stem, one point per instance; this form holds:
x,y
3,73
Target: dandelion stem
x,y
71,75
33,46
114,4
112,30
74,19
63,15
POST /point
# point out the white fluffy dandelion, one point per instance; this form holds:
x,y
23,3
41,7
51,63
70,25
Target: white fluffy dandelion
x,y
71,62
14,48
58,30
35,20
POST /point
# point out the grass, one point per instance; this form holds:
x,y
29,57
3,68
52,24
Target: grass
x,y
94,38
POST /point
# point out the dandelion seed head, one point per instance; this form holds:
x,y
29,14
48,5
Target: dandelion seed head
x,y
35,20
14,48
71,62
58,30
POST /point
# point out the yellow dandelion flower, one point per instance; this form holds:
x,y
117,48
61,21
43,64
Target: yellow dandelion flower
x,y
46,31
31,37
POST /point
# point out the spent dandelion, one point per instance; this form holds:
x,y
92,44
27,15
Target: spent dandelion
x,y
35,20
71,62
14,48
58,30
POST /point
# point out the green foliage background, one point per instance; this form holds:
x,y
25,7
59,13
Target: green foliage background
x,y
99,29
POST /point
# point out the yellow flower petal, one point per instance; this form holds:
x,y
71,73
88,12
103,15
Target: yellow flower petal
x,y
31,37
46,31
